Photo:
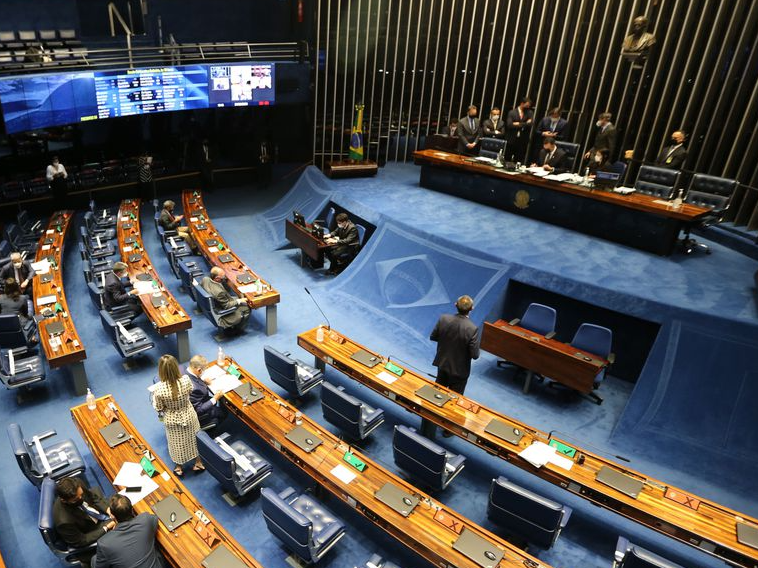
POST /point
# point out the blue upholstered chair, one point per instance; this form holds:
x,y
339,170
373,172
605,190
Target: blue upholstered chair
x,y
353,416
305,526
119,313
425,460
328,221
18,240
490,147
32,228
103,231
14,333
5,252
597,340
137,343
377,561
658,182
98,251
572,154
103,216
292,375
620,169
190,268
207,305
174,253
28,368
70,556
711,192
539,319
525,514
62,457
235,479
630,555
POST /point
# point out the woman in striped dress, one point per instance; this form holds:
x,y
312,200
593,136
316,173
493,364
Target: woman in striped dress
x,y
171,397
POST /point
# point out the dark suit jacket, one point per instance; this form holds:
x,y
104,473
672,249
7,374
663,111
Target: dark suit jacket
x,y
167,221
673,162
115,292
457,340
347,236
493,130
559,130
605,139
450,130
130,545
224,300
467,135
74,526
513,116
201,399
25,272
557,161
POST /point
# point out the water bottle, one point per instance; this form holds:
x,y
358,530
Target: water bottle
x,y
586,180
91,400
320,334
220,357
679,199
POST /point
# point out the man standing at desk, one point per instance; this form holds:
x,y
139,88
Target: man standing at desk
x,y
605,136
344,241
20,270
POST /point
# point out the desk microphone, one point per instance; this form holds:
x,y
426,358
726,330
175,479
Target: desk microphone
x,y
328,325
622,458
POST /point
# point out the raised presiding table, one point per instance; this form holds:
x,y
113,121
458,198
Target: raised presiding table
x,y
429,528
159,304
705,525
184,546
636,220
313,246
57,334
560,361
240,278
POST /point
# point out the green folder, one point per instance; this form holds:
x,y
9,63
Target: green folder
x,y
392,368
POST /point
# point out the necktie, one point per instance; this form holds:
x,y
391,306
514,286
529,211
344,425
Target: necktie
x,y
18,276
471,123
552,126
93,513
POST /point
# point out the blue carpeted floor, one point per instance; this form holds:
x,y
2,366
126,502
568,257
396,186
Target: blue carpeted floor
x,y
474,241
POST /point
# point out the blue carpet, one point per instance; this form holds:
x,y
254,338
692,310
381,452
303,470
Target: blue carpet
x,y
427,249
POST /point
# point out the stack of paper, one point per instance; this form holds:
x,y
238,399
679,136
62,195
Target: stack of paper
x,y
41,267
388,378
539,454
131,475
143,287
220,380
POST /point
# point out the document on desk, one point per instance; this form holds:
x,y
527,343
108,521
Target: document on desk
x,y
41,267
342,473
248,288
538,454
45,300
560,177
224,383
130,475
388,378
148,486
143,287
213,249
213,372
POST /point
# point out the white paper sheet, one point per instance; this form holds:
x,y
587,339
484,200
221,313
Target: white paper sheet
x,y
143,287
212,249
248,288
127,248
538,454
130,475
342,473
388,378
224,383
41,267
213,372
45,247
148,486
45,300
561,461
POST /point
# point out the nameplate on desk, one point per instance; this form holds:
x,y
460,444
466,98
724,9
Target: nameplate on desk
x,y
478,549
448,521
619,481
248,394
469,405
504,431
436,397
222,557
211,242
201,227
682,498
397,499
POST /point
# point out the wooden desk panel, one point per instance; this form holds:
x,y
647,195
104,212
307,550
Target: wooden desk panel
x,y
271,418
311,246
183,549
711,528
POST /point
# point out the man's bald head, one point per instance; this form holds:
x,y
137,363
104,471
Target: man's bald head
x,y
217,273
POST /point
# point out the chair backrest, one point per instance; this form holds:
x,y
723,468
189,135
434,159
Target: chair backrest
x,y
711,191
109,325
637,557
45,521
593,338
361,234
572,154
23,218
658,182
205,302
220,464
620,169
418,455
281,369
12,232
95,295
490,147
329,220
341,409
21,451
5,249
11,331
286,523
717,203
539,319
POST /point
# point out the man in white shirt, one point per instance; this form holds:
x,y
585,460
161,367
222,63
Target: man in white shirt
x,y
56,176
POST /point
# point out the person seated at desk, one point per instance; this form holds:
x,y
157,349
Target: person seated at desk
x,y
551,158
115,294
171,222
131,543
205,404
494,127
451,129
215,285
600,162
20,270
12,301
80,514
673,156
344,240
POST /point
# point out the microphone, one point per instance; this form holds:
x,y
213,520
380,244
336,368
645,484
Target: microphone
x,y
328,325
622,458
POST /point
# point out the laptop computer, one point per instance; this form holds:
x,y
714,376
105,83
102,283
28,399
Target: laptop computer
x,y
304,439
171,512
606,180
222,557
248,393
504,431
619,481
130,240
365,358
144,277
478,549
211,242
115,434
397,499
55,328
747,534
428,392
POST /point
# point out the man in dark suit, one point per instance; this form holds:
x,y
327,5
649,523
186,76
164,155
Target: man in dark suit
x,y
344,241
20,270
673,155
215,285
518,123
451,129
171,222
80,514
131,544
115,294
494,127
605,136
469,132
551,158
552,126
205,404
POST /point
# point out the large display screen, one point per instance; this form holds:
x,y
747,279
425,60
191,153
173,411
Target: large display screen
x,y
38,101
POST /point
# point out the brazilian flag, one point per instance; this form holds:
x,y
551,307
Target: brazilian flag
x,y
356,137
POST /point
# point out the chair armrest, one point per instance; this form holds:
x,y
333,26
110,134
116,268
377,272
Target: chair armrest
x,y
225,436
22,351
566,516
63,464
287,494
550,335
514,321
227,311
611,358
329,532
44,435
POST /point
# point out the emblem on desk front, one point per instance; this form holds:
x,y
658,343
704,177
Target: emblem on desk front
x,y
522,199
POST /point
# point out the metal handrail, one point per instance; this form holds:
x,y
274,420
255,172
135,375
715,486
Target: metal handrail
x,y
111,11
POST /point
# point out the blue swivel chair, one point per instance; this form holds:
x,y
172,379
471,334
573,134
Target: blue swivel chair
x,y
190,268
27,368
292,375
174,253
70,556
572,154
714,193
490,147
63,457
620,169
303,524
96,266
135,344
98,251
526,515
208,305
14,333
328,221
5,252
630,555
351,252
32,228
235,479
353,416
425,460
597,340
19,241
104,232
658,182
377,561
103,217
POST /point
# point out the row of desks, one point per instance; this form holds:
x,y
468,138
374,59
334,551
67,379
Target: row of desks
x,y
664,508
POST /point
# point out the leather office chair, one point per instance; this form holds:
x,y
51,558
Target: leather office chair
x,y
597,340
328,221
137,342
303,524
12,190
630,555
28,368
14,333
37,187
233,478
97,250
292,375
119,313
620,169
32,228
377,561
174,253
93,229
712,192
208,305
65,553
353,416
658,182
526,515
5,252
103,218
572,154
19,241
491,147
96,265
63,457
425,460
190,268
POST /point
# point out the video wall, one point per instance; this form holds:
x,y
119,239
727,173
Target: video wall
x,y
30,102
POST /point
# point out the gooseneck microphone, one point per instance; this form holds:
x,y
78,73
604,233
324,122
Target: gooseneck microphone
x,y
328,325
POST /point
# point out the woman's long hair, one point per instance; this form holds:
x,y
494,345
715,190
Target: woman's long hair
x,y
168,372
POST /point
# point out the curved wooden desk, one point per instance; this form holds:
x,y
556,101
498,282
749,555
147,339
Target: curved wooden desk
x,y
170,317
429,530
184,547
669,510
65,349
202,230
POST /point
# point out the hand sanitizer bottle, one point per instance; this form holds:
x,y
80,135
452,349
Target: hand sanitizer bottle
x,y
679,199
91,400
220,357
320,334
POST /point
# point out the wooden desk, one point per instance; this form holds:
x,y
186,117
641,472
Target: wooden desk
x,y
202,230
271,418
311,247
351,168
560,361
184,548
711,528
169,318
70,352
637,220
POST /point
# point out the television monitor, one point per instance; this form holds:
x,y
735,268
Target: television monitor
x,y
240,84
298,218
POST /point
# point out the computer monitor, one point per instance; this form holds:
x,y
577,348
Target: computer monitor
x,y
298,218
606,180
318,232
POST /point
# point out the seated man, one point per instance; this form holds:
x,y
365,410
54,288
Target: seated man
x,y
79,514
215,285
115,294
344,240
131,544
20,270
205,404
551,158
169,222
